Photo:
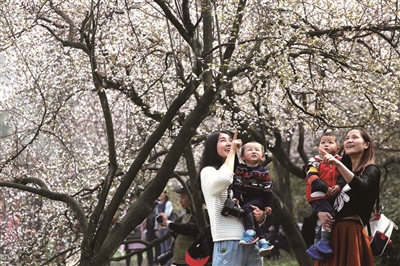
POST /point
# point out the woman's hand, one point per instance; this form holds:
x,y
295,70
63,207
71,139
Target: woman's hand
x,y
236,202
233,146
258,214
326,219
236,143
347,174
328,158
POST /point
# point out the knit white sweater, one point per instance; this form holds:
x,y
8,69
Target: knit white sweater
x,y
214,184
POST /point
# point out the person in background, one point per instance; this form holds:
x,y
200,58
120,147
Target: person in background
x,y
252,186
164,206
150,228
274,233
134,235
349,238
128,247
324,183
184,229
216,175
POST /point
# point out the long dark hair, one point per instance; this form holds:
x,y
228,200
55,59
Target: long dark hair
x,y
368,156
210,156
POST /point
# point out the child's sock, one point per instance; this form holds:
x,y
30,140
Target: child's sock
x,y
250,231
325,234
262,240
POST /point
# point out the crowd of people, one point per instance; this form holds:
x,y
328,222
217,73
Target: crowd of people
x,y
238,198
151,229
341,191
340,228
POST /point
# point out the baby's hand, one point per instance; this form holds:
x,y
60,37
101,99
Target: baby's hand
x,y
236,201
336,190
329,191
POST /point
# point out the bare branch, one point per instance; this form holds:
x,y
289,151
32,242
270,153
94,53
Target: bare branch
x,y
80,214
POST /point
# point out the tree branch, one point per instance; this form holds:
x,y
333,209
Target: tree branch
x,y
80,214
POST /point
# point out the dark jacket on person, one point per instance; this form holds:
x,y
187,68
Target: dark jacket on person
x,y
185,233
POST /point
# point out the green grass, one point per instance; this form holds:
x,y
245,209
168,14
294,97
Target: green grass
x,y
284,260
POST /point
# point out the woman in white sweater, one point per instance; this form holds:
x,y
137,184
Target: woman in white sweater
x,y
216,175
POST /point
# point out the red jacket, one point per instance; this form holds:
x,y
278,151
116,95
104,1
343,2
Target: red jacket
x,y
329,174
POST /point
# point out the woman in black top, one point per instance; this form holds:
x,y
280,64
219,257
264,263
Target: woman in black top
x,y
349,238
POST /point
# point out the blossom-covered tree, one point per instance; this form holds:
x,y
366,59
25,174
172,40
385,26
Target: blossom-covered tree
x,y
111,97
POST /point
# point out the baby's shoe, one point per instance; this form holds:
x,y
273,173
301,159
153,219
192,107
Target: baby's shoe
x,y
265,249
324,246
315,254
248,238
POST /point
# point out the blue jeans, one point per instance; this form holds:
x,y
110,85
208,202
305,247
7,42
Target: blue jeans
x,y
322,206
230,253
151,257
164,246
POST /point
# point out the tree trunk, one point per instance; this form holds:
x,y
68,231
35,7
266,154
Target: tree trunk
x,y
282,183
285,217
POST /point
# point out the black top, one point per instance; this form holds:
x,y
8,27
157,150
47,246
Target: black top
x,y
363,193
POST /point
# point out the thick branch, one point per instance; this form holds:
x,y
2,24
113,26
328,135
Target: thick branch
x,y
78,211
284,160
112,156
141,158
174,21
337,31
186,18
237,22
67,19
144,204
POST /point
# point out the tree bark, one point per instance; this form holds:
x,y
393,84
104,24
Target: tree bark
x,y
285,217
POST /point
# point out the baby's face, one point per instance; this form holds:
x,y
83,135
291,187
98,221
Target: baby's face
x,y
252,153
329,144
